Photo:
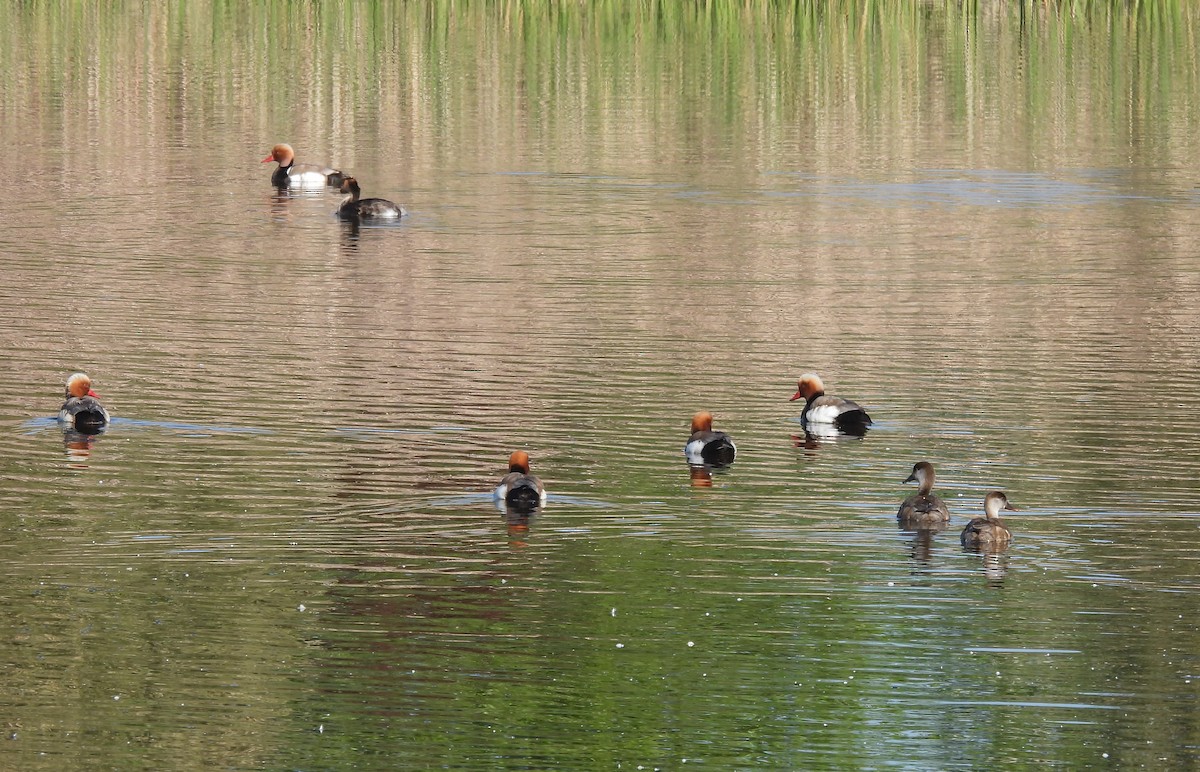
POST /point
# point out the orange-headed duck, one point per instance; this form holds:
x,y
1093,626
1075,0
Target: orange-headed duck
x,y
82,410
820,408
354,208
989,533
923,510
706,446
291,174
519,489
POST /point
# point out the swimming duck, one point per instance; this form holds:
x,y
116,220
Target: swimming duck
x,y
354,208
989,533
82,410
519,489
706,446
291,174
820,408
922,510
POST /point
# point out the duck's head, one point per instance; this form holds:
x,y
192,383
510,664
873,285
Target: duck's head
x,y
994,502
808,386
922,474
702,421
349,185
519,462
281,154
79,385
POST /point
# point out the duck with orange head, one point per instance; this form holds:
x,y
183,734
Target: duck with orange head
x,y
519,490
82,411
823,410
706,446
290,174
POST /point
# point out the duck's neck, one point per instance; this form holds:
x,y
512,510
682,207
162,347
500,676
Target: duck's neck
x,y
351,197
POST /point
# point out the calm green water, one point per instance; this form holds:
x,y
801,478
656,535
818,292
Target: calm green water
x,y
982,225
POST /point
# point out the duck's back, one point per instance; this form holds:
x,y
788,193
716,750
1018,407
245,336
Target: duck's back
x,y
83,413
921,510
710,447
986,534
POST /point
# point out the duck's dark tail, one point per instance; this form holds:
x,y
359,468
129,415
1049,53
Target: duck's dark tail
x,y
853,422
719,452
90,421
523,498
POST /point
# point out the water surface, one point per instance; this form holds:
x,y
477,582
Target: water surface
x,y
981,226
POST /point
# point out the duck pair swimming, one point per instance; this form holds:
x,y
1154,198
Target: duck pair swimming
x,y
924,510
83,413
714,448
289,174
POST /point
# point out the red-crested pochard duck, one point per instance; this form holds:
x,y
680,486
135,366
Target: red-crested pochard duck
x,y
291,174
354,208
989,533
82,410
821,408
923,510
706,446
519,489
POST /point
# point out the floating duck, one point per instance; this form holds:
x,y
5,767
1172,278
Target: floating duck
x,y
518,489
706,446
989,533
923,510
354,208
821,408
291,174
82,410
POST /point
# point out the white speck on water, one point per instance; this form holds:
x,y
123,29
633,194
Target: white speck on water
x,y
614,611
320,729
620,645
116,697
300,607
691,644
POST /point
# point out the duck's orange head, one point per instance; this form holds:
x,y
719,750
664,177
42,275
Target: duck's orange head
x,y
349,185
79,386
281,154
702,422
809,385
519,462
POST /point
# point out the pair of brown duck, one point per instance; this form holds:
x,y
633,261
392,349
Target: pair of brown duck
x,y
925,511
290,174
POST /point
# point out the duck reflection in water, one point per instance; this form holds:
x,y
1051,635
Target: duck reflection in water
x,y
79,445
995,568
